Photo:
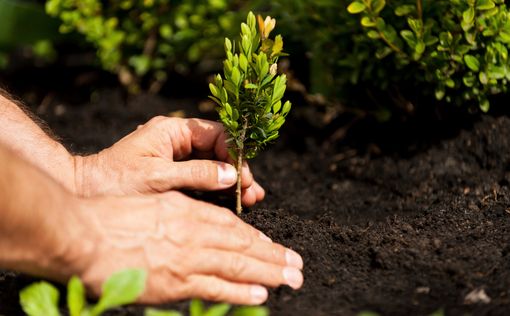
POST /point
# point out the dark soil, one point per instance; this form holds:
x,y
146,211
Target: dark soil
x,y
399,232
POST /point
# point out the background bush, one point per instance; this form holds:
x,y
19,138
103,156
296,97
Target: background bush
x,y
148,38
373,56
409,50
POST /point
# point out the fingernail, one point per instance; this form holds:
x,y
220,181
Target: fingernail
x,y
293,277
264,237
258,294
227,174
293,259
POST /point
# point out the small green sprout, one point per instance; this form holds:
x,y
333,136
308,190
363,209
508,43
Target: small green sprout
x,y
121,288
249,94
124,287
197,308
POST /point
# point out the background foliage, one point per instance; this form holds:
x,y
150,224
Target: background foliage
x,y
376,56
138,38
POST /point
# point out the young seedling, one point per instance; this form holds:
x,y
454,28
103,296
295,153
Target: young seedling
x,y
120,289
249,94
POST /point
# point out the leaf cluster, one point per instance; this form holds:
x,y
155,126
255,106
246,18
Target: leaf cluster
x,y
121,288
458,46
249,94
146,38
197,308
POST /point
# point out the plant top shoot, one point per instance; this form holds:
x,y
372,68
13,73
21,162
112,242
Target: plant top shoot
x,y
249,94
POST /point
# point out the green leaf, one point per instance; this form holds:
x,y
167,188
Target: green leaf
x,y
356,7
405,9
367,22
409,37
214,90
367,313
469,15
277,45
218,310
439,312
373,34
440,93
251,310
378,5
228,108
243,63
485,4
156,312
196,307
485,105
76,298
472,62
121,288
40,299
469,81
228,45
277,106
416,25
484,79
286,108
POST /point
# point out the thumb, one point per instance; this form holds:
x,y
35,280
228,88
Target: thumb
x,y
199,175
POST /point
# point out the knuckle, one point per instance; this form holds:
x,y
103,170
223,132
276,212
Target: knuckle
x,y
201,171
181,232
279,254
243,241
237,266
225,216
214,291
157,119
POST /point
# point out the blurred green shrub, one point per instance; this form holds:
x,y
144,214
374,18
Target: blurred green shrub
x,y
24,24
139,39
455,51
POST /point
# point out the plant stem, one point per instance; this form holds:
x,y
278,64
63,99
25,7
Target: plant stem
x,y
239,207
239,167
419,8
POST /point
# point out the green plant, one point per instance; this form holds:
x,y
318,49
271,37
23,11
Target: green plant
x,y
148,38
249,94
121,288
124,287
15,16
458,46
197,309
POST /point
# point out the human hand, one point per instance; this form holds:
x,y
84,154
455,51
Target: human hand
x,y
165,154
189,249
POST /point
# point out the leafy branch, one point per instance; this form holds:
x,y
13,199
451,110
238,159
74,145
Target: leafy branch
x,y
249,94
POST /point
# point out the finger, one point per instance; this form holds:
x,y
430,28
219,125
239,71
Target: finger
x,y
214,289
260,193
208,136
179,205
240,268
233,239
249,197
192,174
246,176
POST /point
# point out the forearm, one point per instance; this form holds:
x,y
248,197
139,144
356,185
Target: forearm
x,y
25,138
40,231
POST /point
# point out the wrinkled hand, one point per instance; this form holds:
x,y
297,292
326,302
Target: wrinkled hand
x,y
189,249
165,154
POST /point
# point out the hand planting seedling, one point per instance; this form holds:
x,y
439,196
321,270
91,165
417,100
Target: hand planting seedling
x,y
249,94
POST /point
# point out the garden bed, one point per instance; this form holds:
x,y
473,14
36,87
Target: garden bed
x,y
399,232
